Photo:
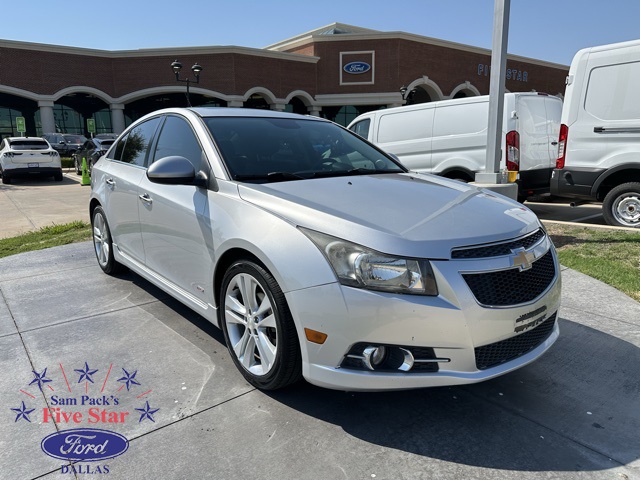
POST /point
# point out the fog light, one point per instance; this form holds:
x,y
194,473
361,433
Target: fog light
x,y
373,356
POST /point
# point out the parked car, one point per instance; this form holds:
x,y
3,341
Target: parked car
x,y
73,142
57,141
449,137
91,151
338,266
26,156
599,140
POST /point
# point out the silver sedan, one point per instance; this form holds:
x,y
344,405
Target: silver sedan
x,y
320,256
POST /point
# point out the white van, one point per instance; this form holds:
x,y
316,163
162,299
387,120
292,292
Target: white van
x,y
449,137
599,143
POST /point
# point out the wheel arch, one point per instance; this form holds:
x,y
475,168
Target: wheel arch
x,y
613,177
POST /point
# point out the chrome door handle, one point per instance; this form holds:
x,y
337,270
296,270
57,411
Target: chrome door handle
x,y
145,198
111,182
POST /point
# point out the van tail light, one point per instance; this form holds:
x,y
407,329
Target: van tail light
x,y
562,146
513,151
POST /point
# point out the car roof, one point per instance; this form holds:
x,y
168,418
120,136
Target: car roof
x,y
206,112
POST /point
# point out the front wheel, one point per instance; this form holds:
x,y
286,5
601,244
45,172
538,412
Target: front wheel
x,y
621,206
258,327
102,243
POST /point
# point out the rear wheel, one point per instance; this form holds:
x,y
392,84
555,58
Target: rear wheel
x,y
5,178
258,327
102,243
58,176
77,165
621,206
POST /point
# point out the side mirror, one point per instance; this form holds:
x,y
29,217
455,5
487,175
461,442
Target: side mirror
x,y
175,170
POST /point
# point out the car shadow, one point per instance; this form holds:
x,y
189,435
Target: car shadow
x,y
574,409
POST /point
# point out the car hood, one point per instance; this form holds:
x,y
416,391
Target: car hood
x,y
409,214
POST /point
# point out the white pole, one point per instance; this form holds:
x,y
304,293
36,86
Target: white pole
x,y
496,92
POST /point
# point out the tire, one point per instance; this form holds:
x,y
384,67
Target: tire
x,y
6,179
621,206
78,167
102,243
258,327
58,176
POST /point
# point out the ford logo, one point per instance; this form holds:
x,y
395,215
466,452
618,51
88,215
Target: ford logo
x,y
356,68
84,444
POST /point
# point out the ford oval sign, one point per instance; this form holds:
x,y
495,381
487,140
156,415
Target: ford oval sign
x,y
84,445
356,68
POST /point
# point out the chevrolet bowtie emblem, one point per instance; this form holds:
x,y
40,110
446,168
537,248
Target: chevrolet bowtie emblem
x,y
522,259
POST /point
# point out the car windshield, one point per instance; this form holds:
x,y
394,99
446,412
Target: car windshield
x,y
29,145
264,150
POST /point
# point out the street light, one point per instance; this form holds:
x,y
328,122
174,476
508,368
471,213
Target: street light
x,y
407,97
196,69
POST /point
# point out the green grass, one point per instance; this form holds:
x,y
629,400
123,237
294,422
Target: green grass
x,y
611,256
46,237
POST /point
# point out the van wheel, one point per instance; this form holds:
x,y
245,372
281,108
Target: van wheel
x,y
621,206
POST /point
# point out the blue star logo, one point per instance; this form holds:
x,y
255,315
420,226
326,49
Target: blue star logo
x,y
147,412
24,413
40,378
129,379
85,374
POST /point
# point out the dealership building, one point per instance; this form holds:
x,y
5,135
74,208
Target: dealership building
x,y
336,72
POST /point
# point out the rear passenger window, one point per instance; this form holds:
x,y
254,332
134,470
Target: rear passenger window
x,y
133,147
177,138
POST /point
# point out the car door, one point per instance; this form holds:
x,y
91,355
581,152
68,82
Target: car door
x,y
172,217
123,174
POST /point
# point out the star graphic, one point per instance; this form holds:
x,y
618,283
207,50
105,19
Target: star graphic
x,y
129,379
85,374
23,413
40,378
147,412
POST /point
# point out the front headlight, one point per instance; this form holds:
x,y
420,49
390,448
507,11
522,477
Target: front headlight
x,y
358,266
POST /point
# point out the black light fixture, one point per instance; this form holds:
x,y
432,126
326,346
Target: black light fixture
x,y
196,69
407,95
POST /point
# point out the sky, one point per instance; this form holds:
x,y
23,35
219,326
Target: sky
x,y
549,30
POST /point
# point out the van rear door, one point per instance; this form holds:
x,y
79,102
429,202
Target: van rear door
x,y
538,124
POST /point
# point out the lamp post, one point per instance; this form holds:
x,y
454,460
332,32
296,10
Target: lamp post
x,y
196,69
407,95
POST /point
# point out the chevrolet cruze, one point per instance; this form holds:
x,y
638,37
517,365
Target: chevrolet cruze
x,y
320,256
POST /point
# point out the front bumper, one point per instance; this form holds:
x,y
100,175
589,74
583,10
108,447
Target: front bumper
x,y
453,324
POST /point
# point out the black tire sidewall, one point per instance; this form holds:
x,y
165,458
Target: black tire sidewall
x,y
277,376
610,200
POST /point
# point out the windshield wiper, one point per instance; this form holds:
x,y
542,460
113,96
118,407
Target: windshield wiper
x,y
272,177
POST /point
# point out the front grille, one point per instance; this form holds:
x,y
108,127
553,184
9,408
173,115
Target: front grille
x,y
499,249
497,353
512,287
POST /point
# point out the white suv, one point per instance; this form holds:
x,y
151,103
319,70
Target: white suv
x,y
23,156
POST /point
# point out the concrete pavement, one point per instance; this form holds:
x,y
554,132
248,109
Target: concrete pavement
x,y
573,414
32,203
